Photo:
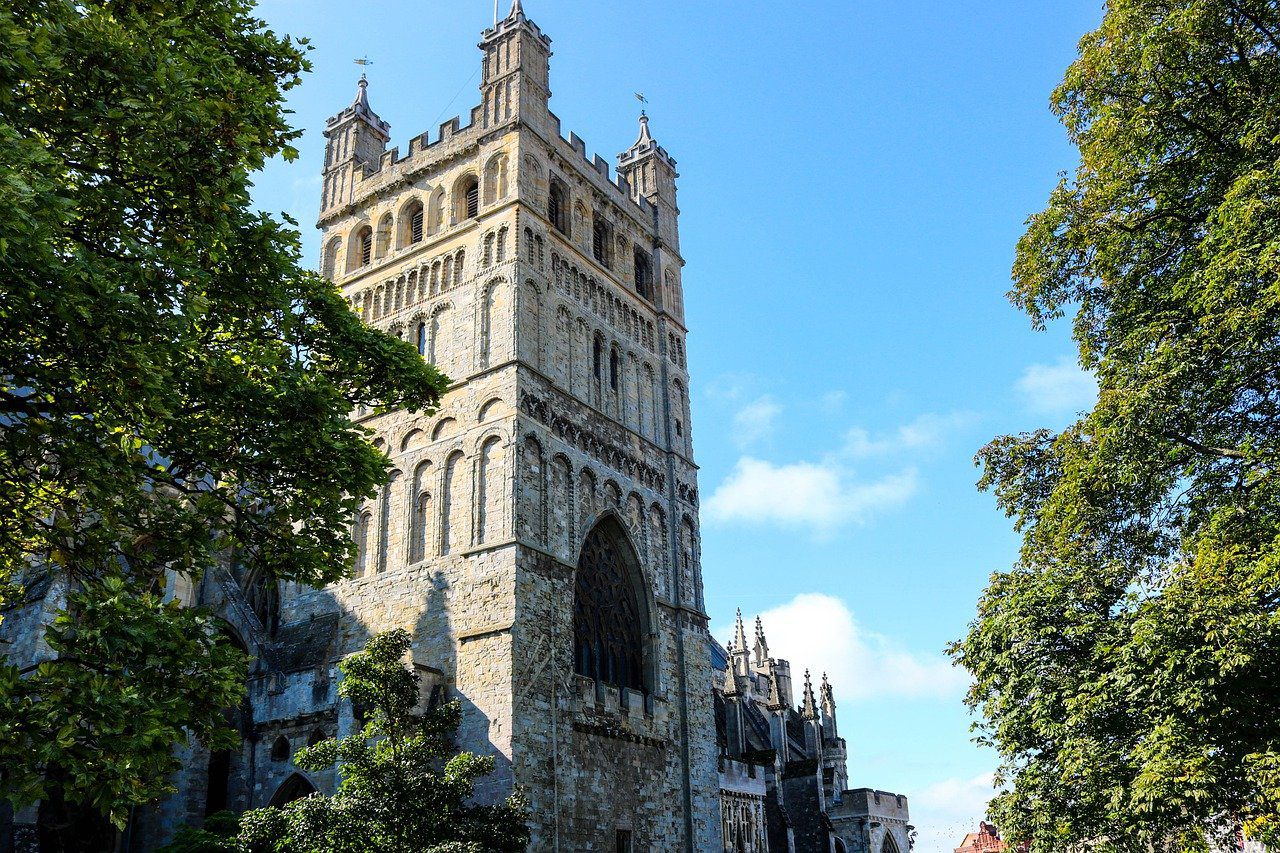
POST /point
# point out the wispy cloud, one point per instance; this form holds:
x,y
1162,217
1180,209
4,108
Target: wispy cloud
x,y
755,421
944,811
821,633
1061,388
928,430
833,400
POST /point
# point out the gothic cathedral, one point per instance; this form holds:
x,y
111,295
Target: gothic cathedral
x,y
539,532
538,535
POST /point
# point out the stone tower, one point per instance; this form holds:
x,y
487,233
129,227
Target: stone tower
x,y
538,534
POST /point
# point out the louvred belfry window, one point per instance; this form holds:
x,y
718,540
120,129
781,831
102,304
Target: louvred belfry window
x,y
608,628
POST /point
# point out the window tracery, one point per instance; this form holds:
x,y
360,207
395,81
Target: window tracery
x,y
608,625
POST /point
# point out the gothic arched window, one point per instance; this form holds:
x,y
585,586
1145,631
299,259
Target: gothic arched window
x,y
261,593
609,610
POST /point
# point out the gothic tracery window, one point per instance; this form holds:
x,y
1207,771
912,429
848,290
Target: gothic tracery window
x,y
261,593
608,619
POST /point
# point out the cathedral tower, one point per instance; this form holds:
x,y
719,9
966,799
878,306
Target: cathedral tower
x,y
539,534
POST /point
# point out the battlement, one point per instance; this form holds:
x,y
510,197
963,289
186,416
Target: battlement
x,y
515,21
868,802
377,177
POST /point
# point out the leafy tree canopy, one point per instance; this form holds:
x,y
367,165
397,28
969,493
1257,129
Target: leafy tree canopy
x,y
1127,667
173,385
402,787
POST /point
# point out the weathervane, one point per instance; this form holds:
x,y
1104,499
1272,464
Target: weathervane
x,y
363,62
642,99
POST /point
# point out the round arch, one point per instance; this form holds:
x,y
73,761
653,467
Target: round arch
x,y
613,635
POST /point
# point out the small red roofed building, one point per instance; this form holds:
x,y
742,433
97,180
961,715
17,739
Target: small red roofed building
x,y
985,840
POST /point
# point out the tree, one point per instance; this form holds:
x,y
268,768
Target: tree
x,y
174,387
402,788
1126,668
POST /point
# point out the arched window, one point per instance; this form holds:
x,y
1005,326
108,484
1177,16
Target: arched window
x,y
385,226
609,609
435,219
422,338
364,245
471,198
558,207
261,593
419,526
294,788
280,749
315,737
597,358
613,370
412,224
600,239
643,273
361,535
332,256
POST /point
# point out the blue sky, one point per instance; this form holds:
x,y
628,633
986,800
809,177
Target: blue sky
x,y
853,180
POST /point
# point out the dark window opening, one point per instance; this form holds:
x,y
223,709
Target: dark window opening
x,y
679,428
415,225
613,371
558,207
600,239
280,749
597,358
219,779
422,339
473,199
608,628
624,841
366,246
316,736
643,273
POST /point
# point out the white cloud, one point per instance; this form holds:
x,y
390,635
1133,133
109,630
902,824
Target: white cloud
x,y
833,400
1057,389
928,430
946,810
805,494
755,421
820,632
828,493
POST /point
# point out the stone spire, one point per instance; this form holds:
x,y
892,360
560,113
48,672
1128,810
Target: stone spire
x,y
740,657
762,645
739,634
828,698
361,102
517,10
809,707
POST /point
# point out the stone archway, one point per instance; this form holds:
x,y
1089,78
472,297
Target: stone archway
x,y
295,787
611,631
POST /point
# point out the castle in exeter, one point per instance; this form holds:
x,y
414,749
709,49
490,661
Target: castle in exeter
x,y
538,535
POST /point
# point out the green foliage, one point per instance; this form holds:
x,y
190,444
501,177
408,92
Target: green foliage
x,y
173,385
402,788
216,836
1126,668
